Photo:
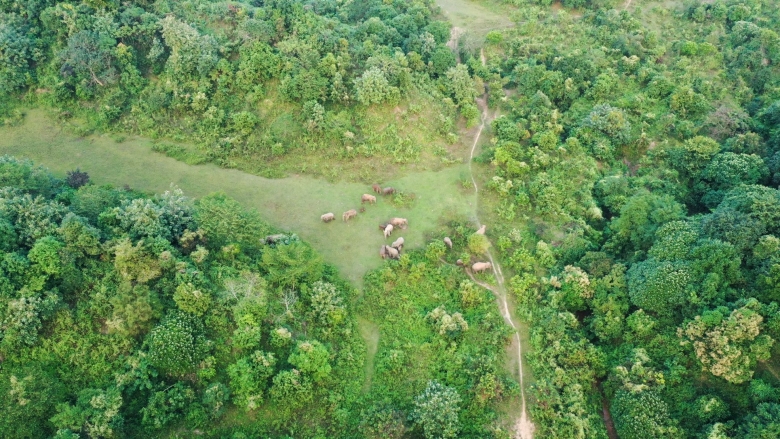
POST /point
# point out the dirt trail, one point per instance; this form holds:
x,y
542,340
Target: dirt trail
x,y
524,428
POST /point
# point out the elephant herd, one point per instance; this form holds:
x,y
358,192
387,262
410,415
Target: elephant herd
x,y
393,251
366,198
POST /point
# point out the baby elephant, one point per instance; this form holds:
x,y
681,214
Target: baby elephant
x,y
398,244
383,252
481,230
388,230
351,213
388,191
448,241
399,222
328,217
376,188
479,267
370,198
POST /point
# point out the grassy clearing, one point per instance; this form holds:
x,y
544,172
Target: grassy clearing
x,y
293,203
475,18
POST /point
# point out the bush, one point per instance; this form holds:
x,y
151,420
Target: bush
x,y
76,179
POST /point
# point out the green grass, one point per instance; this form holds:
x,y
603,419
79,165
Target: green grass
x,y
477,18
293,203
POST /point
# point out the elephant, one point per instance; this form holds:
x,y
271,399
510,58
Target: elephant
x,y
273,239
448,241
370,198
388,230
376,188
388,191
382,226
479,267
383,252
392,253
328,217
482,229
398,243
399,222
351,213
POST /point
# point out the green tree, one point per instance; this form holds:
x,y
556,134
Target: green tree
x,y
192,54
442,59
28,396
373,87
327,308
292,264
88,56
478,244
134,308
191,299
436,411
249,378
658,286
611,122
642,415
291,389
96,413
312,358
45,254
728,343
382,421
166,406
18,51
461,84
177,344
640,217
763,424
693,155
225,221
23,319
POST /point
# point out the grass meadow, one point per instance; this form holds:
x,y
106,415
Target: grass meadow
x,y
292,204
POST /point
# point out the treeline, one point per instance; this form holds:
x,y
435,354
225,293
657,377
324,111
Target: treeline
x,y
246,81
635,191
124,315
131,316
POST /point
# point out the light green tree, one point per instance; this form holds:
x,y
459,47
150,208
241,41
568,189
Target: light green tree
x,y
436,411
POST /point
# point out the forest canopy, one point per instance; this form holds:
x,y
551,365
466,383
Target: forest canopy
x,y
244,81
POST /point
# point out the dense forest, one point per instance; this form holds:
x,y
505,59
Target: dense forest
x,y
630,182
247,82
132,316
635,174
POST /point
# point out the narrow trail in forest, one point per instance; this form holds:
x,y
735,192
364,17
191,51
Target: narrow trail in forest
x,y
523,426
605,414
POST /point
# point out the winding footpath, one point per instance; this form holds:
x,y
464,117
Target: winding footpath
x,y
524,428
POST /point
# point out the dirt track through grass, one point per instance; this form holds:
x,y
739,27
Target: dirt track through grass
x,y
294,203
524,428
